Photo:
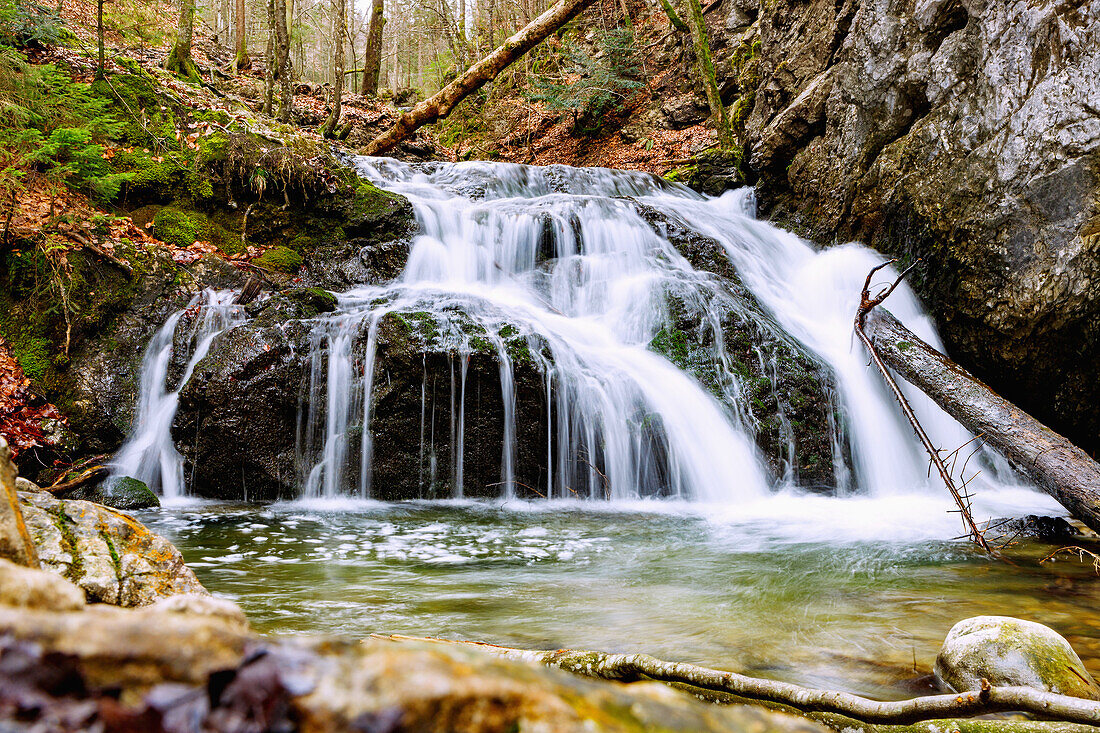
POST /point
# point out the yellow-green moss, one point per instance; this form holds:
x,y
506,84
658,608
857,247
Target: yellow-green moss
x,y
282,259
178,227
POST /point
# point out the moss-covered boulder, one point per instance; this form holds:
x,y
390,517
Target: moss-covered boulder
x,y
1011,651
125,493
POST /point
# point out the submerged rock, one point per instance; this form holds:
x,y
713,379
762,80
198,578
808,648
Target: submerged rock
x,y
151,669
109,555
1011,651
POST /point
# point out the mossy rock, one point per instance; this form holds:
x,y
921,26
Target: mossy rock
x,y
125,493
280,259
316,299
180,228
1014,652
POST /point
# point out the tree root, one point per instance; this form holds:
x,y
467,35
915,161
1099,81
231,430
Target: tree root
x,y
708,682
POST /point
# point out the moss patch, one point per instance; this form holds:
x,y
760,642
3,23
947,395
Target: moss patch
x,y
280,259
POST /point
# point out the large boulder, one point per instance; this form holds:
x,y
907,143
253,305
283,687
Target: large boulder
x,y
113,558
238,419
1014,652
152,669
963,133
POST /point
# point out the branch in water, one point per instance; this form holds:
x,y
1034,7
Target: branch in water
x,y
962,500
634,667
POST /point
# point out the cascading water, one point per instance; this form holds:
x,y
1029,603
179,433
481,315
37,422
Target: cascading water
x,y
563,260
149,454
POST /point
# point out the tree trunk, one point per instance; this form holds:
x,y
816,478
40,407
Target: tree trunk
x,y
441,104
269,62
372,61
179,58
705,65
282,62
240,21
99,72
1060,468
339,30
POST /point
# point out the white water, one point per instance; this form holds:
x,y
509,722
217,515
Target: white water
x,y
149,454
559,255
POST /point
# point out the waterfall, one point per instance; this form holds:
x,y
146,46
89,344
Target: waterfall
x,y
563,265
149,454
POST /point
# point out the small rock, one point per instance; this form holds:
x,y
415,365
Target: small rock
x,y
36,589
202,605
1011,651
22,484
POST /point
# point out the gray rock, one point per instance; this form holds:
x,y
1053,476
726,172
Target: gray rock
x,y
110,556
29,588
1011,651
22,484
964,133
15,542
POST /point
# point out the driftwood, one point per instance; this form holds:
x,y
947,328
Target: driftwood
x,y
91,475
440,104
1055,464
635,667
867,304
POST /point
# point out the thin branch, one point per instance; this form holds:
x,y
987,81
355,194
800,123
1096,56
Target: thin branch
x,y
866,305
633,667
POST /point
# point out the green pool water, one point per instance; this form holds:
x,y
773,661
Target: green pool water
x,y
825,592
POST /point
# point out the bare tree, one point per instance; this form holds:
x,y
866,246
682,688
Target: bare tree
x,y
179,58
372,60
339,30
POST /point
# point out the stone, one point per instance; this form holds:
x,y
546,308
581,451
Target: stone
x,y
112,557
15,542
965,134
22,484
196,604
150,664
24,587
125,493
1011,651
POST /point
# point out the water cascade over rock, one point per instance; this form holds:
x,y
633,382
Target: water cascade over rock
x,y
557,333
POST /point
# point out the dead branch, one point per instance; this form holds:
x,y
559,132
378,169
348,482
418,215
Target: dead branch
x,y
1054,463
1081,553
866,305
91,475
634,667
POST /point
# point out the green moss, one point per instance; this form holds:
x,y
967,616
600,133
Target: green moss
x,y
65,524
673,343
281,259
180,228
116,561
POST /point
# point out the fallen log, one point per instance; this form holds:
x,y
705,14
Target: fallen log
x,y
90,476
1056,465
440,104
635,667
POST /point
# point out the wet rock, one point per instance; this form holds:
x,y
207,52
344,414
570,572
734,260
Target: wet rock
x,y
1011,651
712,172
152,670
30,588
109,555
238,419
125,493
966,135
789,395
1043,529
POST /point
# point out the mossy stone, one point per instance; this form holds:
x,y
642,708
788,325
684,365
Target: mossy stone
x,y
281,259
1014,652
178,227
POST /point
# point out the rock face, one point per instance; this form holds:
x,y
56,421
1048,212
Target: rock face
x,y
251,387
109,555
1011,651
153,669
963,132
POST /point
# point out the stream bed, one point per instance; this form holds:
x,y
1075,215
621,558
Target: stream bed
x,y
842,593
